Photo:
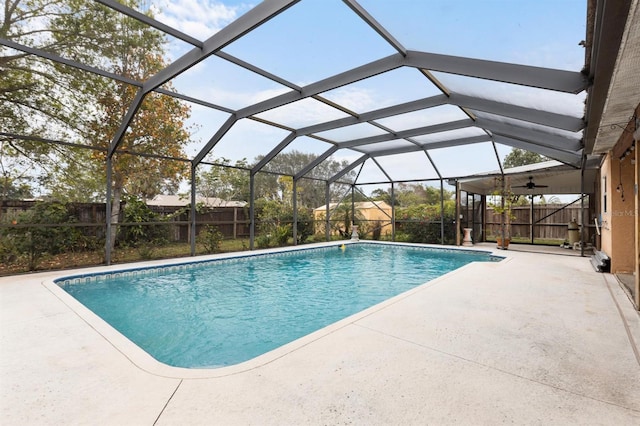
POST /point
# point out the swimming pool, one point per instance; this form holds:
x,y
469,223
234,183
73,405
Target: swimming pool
x,y
223,312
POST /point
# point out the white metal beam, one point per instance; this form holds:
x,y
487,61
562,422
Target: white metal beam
x,y
524,75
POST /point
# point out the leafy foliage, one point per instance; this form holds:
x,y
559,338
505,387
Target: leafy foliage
x,y
227,183
34,242
211,238
421,223
410,194
138,229
43,99
520,157
276,224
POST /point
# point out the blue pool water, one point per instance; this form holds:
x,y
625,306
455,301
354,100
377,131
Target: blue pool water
x,y
227,311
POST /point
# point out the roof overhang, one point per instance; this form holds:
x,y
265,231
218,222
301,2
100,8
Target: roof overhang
x,y
615,71
557,178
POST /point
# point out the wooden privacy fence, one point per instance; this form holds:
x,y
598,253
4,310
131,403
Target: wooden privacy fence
x,y
232,222
550,222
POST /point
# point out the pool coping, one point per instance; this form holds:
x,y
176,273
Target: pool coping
x,y
149,364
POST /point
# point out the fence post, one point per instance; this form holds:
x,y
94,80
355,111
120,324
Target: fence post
x,y
531,229
235,223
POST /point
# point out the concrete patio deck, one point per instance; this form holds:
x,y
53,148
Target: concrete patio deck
x,y
534,339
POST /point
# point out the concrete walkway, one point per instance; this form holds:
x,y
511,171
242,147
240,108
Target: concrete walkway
x,y
535,339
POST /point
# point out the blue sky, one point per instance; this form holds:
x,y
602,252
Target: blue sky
x,y
318,38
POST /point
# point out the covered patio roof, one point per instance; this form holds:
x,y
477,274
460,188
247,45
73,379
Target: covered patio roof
x,y
549,177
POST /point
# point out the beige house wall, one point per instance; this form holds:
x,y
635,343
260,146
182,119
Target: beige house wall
x,y
619,183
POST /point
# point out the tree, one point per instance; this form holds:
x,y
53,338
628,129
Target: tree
x,y
311,192
383,195
228,182
410,194
46,99
158,128
76,177
231,182
14,182
43,99
520,157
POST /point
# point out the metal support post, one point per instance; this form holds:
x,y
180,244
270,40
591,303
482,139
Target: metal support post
x,y
107,246
252,211
393,214
441,212
193,210
295,212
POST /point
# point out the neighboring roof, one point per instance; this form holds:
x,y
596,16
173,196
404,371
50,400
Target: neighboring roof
x,y
557,177
360,205
181,201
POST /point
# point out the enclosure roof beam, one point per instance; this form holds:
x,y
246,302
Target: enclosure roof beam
x,y
348,168
257,70
255,17
126,121
275,151
194,100
403,108
436,128
55,58
545,118
426,152
384,172
536,136
116,77
431,145
371,21
571,158
524,75
359,73
315,162
93,148
214,139
544,78
151,22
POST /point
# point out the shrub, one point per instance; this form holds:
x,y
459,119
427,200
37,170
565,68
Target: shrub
x,y
263,241
211,239
421,224
51,233
135,211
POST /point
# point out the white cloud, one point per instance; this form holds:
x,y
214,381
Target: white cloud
x,y
354,98
302,113
200,19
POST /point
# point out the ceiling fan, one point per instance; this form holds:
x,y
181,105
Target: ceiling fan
x,y
531,184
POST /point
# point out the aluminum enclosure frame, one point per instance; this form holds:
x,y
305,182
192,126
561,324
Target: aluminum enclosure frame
x,y
544,138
